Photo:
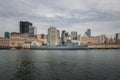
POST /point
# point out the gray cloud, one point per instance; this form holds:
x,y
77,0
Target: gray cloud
x,y
63,14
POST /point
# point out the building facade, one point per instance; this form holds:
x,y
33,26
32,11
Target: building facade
x,y
22,41
88,32
90,40
32,30
103,39
6,35
25,26
73,35
64,36
4,42
43,38
53,36
29,44
117,37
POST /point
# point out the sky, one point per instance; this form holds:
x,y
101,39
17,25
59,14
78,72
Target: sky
x,y
101,16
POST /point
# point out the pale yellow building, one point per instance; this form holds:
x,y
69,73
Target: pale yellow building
x,y
18,41
53,36
44,41
35,43
4,42
90,40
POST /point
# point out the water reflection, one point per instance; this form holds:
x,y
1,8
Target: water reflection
x,y
24,67
53,63
60,65
47,66
85,67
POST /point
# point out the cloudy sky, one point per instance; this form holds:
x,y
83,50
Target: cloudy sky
x,y
101,16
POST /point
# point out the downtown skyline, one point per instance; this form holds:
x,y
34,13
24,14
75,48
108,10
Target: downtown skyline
x,y
102,17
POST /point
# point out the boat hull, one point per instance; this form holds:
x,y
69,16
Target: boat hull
x,y
60,48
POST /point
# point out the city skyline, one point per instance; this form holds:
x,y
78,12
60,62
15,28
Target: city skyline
x,y
78,15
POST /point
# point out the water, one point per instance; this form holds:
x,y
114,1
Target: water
x,y
60,65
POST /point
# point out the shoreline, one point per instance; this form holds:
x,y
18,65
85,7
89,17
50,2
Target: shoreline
x,y
63,49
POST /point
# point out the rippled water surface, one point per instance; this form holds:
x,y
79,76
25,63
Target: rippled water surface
x,y
60,65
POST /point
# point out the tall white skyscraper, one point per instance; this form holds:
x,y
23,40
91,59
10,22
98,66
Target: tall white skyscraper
x,y
53,36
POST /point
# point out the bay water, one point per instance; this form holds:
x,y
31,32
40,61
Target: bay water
x,y
60,64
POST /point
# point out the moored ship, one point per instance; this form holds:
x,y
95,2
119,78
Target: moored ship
x,y
69,46
59,48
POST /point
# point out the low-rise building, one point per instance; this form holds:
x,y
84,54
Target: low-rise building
x,y
90,40
42,38
103,39
32,43
4,42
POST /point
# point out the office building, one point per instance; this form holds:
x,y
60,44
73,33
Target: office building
x,y
117,37
73,35
88,33
6,35
25,26
42,37
53,36
78,38
64,36
32,30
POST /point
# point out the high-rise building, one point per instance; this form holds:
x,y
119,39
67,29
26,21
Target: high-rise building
x,y
73,35
64,36
103,39
33,30
6,35
88,32
25,26
117,37
78,38
53,36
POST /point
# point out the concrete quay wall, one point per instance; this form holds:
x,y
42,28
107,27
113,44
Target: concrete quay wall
x,y
104,46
